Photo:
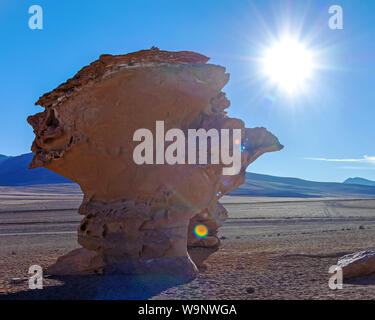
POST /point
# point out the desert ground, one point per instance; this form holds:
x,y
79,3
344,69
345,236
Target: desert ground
x,y
272,248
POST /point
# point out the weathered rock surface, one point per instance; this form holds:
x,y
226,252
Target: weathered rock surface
x,y
76,262
200,249
358,264
139,218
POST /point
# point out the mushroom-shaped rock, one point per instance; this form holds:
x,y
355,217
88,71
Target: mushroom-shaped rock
x,y
138,217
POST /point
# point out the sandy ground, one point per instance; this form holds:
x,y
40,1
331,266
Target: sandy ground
x,y
272,248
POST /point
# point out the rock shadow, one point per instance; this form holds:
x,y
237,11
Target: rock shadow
x,y
362,281
101,287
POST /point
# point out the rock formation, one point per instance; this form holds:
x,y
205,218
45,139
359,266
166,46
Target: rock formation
x,y
140,218
358,264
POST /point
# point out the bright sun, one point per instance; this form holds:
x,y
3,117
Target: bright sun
x,y
288,64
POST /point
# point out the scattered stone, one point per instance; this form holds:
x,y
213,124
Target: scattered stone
x,y
358,264
18,280
250,290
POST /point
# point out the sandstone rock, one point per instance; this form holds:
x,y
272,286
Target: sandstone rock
x,y
138,218
358,264
201,249
77,262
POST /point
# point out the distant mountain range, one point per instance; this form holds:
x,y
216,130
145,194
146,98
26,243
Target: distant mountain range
x,y
361,181
270,186
14,172
3,158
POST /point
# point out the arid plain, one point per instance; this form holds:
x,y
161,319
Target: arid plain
x,y
272,248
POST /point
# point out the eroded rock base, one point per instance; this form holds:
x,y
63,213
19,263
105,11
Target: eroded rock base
x,y
84,262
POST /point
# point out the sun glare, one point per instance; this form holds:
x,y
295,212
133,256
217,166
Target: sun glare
x,y
288,64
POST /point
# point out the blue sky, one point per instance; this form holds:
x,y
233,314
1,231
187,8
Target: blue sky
x,y
332,121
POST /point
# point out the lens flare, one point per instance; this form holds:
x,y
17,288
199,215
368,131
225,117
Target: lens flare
x,y
200,231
